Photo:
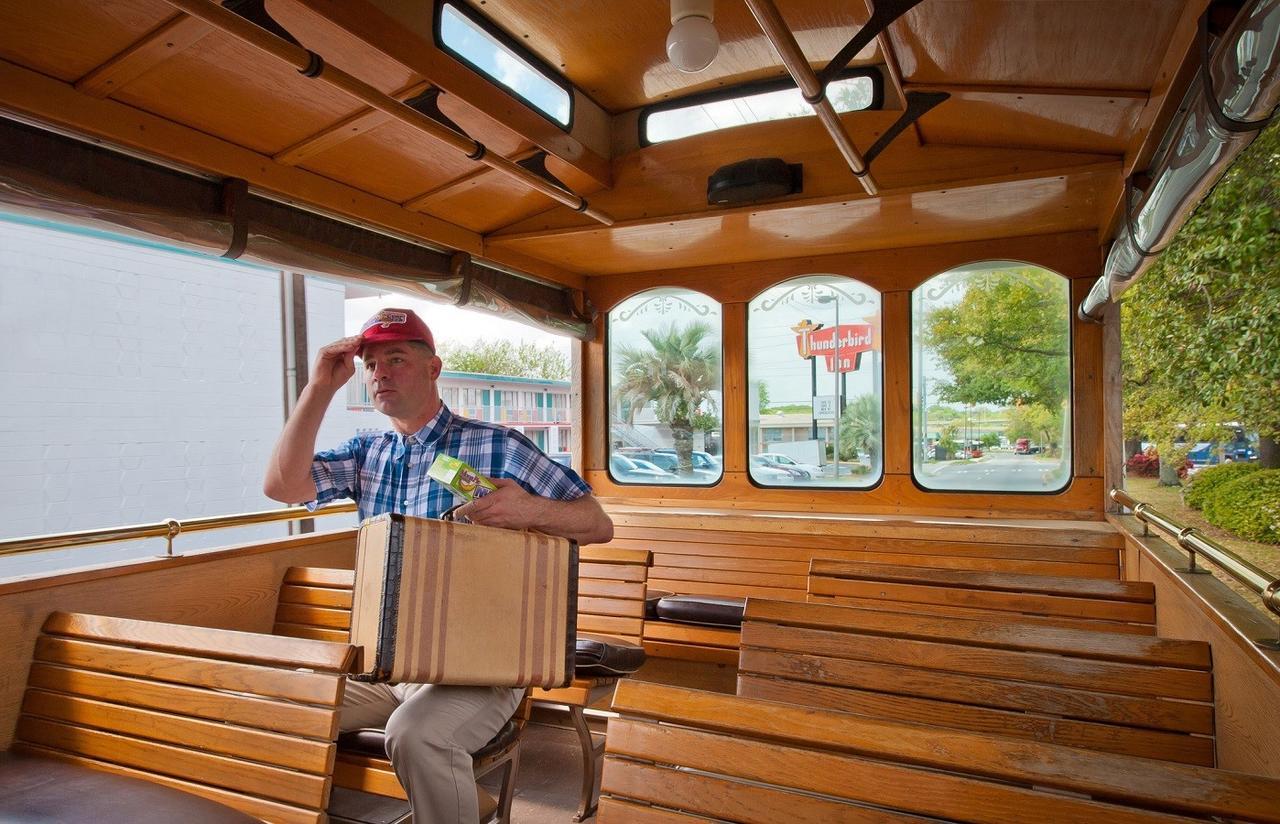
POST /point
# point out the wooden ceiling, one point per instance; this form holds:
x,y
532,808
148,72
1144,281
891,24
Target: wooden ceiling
x,y
1052,103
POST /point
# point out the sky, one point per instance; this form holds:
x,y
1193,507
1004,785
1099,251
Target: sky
x,y
451,324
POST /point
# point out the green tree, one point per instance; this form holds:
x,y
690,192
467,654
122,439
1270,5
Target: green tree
x,y
1201,326
860,429
677,373
1036,423
503,357
1006,341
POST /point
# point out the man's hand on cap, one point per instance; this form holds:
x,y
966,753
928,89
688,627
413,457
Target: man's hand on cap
x,y
336,363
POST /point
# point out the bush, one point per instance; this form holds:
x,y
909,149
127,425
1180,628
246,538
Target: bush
x,y
1207,480
1248,506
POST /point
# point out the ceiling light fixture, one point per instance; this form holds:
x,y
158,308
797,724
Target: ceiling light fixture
x,y
693,41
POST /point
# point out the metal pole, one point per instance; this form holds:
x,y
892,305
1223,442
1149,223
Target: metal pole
x,y
839,394
813,369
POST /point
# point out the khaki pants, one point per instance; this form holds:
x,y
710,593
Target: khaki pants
x,y
432,730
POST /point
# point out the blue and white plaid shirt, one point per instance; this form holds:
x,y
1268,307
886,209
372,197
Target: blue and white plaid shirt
x,y
387,472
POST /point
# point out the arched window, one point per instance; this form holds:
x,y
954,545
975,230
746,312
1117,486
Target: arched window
x,y
991,362
665,418
814,384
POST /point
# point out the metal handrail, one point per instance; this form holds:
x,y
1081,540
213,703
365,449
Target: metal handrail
x,y
1196,543
169,528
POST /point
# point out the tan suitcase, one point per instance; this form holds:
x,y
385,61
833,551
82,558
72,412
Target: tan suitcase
x,y
438,602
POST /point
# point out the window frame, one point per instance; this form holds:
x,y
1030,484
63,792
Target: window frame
x,y
1071,384
519,49
608,394
746,373
745,90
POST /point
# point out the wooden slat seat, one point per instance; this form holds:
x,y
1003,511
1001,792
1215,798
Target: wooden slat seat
x,y
316,603
611,602
1136,695
680,755
767,555
243,719
1081,603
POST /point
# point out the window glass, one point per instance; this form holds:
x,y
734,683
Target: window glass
x,y
665,389
991,360
500,63
814,385
848,95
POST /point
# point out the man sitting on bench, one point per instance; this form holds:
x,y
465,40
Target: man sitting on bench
x,y
431,730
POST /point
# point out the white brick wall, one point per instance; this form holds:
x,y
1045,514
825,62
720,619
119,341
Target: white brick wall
x,y
139,384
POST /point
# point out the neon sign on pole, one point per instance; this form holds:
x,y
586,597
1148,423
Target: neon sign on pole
x,y
816,340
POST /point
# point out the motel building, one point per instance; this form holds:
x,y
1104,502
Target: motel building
x,y
538,408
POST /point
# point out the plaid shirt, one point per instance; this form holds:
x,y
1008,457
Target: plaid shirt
x,y
387,472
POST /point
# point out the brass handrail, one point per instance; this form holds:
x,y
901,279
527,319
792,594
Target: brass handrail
x,y
169,528
1196,543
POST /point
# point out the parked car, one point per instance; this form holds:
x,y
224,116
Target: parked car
x,y
766,472
623,468
806,471
704,466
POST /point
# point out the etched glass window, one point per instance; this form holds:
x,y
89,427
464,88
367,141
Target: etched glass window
x,y
665,414
814,384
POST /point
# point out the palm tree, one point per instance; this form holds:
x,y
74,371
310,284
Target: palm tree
x,y
675,372
860,429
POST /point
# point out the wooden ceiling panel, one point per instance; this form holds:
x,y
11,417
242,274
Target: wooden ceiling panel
x,y
620,60
486,202
1009,208
1112,44
67,39
1034,120
228,89
670,179
391,161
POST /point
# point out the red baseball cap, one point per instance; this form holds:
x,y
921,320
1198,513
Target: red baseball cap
x,y
396,324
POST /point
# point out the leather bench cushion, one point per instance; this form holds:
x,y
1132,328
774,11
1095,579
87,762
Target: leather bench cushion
x,y
604,655
49,791
707,610
372,741
651,599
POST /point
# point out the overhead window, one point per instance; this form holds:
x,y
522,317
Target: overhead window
x,y
665,414
991,362
738,107
484,47
814,385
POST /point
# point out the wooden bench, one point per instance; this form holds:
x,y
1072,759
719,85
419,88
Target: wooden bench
x,y
611,587
1077,603
242,719
677,755
316,603
1129,694
767,555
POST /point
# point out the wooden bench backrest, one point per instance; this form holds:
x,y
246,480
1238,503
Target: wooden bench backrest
x,y
611,585
1081,603
675,753
768,557
316,603
1129,694
246,720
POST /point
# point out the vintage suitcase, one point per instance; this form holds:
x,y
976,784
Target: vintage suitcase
x,y
438,602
